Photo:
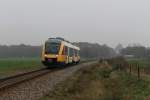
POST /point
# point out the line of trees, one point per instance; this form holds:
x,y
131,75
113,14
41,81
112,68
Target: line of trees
x,y
94,50
88,50
19,51
136,51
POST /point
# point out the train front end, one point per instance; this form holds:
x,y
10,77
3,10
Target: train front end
x,y
52,53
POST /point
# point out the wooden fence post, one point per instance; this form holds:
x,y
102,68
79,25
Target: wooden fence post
x,y
119,67
130,65
138,66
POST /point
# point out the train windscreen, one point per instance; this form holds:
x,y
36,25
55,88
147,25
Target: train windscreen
x,y
52,48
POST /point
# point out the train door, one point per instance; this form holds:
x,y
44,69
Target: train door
x,y
67,54
74,55
70,55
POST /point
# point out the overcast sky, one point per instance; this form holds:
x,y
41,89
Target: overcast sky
x,y
101,21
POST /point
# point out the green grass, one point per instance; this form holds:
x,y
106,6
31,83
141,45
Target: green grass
x,y
11,66
17,65
144,63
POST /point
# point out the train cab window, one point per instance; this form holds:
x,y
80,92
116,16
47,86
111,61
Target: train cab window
x,y
52,48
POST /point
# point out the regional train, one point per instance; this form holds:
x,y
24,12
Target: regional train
x,y
58,51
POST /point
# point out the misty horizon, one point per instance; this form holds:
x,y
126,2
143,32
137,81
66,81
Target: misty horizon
x,y
110,22
129,45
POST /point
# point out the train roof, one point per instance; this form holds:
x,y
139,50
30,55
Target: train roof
x,y
59,39
66,43
71,45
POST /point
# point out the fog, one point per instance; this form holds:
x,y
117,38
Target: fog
x,y
102,21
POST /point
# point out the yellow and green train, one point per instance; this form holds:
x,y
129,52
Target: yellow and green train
x,y
58,51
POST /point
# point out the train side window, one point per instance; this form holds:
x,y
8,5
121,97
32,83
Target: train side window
x,y
66,50
71,52
75,53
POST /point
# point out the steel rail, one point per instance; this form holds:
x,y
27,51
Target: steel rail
x,y
13,80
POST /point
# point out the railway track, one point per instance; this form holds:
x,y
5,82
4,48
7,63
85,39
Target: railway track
x,y
20,78
13,80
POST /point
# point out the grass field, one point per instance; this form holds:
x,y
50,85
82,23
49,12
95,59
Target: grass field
x,y
100,82
144,63
11,66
